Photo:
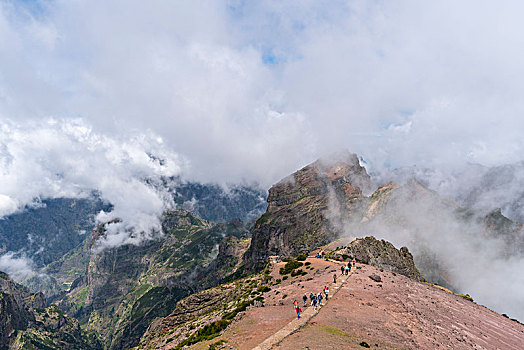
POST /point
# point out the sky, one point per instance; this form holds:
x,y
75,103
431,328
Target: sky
x,y
240,91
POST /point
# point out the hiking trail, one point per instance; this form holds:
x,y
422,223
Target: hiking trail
x,y
305,317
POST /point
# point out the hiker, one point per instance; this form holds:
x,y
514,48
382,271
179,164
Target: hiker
x,y
304,298
335,278
322,253
342,269
315,302
319,297
346,270
354,262
295,304
326,291
349,266
311,296
299,310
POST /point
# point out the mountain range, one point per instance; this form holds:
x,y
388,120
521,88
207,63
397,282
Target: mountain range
x,y
216,254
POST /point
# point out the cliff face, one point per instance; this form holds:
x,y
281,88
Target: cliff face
x,y
26,322
381,254
309,208
126,287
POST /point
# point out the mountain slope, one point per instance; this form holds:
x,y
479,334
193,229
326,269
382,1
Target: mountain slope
x,y
390,311
126,287
309,208
26,322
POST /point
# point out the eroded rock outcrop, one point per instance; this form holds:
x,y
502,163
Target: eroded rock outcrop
x,y
127,287
26,322
381,254
309,208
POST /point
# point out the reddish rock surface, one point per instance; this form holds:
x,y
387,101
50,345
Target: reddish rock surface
x,y
397,313
400,313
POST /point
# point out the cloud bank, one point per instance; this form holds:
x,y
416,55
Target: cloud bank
x,y
231,84
66,158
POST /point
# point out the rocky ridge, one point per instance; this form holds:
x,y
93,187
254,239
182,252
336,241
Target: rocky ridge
x,y
309,208
381,254
27,322
126,288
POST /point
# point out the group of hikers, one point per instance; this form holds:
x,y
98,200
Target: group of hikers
x,y
316,299
321,255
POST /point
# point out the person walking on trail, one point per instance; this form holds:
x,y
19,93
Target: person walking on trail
x,y
342,269
346,270
304,298
311,297
326,291
299,310
349,266
315,303
319,297
354,262
335,278
295,304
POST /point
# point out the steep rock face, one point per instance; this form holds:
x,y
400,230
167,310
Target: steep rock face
x,y
309,208
381,254
128,286
26,322
205,314
13,317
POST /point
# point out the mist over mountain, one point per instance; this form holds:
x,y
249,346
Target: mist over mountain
x,y
474,186
147,145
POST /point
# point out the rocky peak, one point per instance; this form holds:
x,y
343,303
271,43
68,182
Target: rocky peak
x,y
309,208
380,253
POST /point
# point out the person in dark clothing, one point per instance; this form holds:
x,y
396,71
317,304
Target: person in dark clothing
x,y
342,269
304,298
335,278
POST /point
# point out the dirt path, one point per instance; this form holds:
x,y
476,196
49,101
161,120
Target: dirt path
x,y
305,317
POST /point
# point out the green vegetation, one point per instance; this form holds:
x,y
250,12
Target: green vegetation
x,y
209,332
298,272
513,319
290,266
466,296
263,289
217,344
299,199
263,219
333,330
301,257
240,308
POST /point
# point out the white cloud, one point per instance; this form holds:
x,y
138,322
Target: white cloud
x,y
66,158
16,266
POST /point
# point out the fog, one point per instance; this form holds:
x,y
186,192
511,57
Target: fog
x,y
452,246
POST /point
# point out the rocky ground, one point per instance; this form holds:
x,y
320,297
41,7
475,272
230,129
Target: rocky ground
x,y
395,313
